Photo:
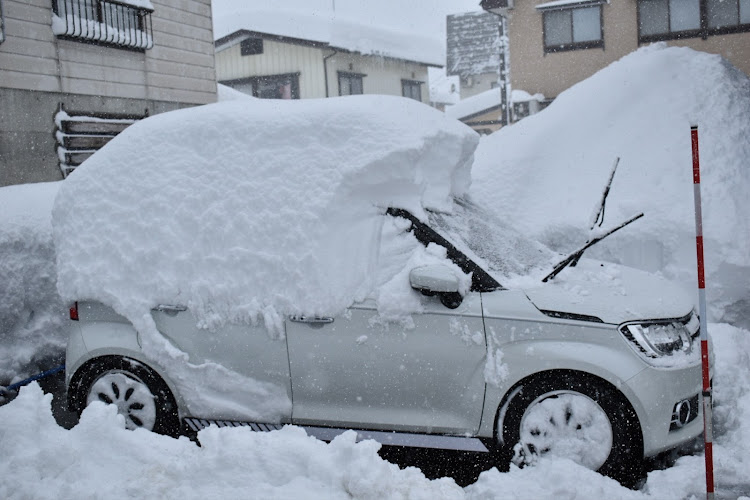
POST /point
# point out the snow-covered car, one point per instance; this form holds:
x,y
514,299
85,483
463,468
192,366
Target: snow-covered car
x,y
362,289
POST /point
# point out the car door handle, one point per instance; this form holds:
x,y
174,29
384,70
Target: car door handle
x,y
169,309
316,320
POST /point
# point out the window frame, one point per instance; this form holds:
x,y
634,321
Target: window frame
x,y
94,28
703,32
411,84
565,47
351,76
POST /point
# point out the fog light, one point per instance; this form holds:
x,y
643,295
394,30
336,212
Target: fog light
x,y
684,412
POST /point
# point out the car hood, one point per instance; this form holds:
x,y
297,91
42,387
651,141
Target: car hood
x,y
612,293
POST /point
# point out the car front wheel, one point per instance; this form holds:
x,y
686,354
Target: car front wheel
x,y
570,415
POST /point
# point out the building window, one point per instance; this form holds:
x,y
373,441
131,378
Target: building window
x,y
251,46
121,23
674,19
284,86
411,89
572,28
350,83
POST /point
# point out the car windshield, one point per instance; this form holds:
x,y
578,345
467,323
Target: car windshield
x,y
490,242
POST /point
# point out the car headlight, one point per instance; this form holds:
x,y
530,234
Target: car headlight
x,y
658,339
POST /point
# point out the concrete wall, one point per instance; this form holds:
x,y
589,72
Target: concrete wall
x,y
534,71
28,150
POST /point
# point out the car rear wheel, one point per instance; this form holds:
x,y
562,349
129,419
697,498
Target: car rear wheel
x,y
574,416
139,394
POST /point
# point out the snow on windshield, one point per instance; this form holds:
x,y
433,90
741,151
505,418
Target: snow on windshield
x,y
493,244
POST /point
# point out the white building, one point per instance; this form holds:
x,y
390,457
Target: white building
x,y
293,56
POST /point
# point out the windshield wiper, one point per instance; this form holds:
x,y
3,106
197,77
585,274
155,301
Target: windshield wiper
x,y
598,217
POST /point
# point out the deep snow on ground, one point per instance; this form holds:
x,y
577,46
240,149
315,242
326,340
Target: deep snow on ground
x,y
100,459
547,172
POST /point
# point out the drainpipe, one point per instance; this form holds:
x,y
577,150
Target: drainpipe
x,y
325,67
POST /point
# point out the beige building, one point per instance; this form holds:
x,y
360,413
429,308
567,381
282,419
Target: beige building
x,y
74,73
554,45
271,56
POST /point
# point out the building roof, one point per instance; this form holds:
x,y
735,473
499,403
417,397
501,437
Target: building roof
x,y
473,44
334,32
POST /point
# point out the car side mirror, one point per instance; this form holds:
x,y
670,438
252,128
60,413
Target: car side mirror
x,y
437,279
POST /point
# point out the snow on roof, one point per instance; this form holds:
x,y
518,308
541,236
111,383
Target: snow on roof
x,y
341,33
483,102
546,173
473,40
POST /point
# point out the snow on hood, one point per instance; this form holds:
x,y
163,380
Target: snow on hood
x,y
249,209
546,173
612,293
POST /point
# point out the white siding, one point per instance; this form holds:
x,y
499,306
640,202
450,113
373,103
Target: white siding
x,y
277,58
383,75
179,68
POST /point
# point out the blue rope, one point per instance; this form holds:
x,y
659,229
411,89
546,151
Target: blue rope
x,y
13,387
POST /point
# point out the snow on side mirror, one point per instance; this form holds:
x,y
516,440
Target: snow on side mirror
x,y
437,279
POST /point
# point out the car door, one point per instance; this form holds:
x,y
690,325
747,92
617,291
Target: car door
x,y
251,382
357,371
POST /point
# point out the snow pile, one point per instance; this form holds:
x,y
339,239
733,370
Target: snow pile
x,y
31,313
340,32
99,458
546,173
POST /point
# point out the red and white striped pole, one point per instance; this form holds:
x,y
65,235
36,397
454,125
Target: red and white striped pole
x,y
707,391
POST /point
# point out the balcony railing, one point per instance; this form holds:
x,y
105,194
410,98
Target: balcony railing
x,y
125,23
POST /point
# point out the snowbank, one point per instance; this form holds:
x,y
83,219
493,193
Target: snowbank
x,y
31,312
546,173
99,458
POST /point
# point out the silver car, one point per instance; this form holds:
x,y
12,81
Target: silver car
x,y
606,378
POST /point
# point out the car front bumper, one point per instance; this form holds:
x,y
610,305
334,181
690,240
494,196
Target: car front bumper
x,y
669,405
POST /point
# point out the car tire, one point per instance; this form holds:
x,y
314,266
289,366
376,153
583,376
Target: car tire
x,y
576,416
141,396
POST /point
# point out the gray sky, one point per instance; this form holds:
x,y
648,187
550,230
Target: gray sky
x,y
425,17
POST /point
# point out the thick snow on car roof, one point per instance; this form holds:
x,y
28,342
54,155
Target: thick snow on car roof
x,y
257,208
